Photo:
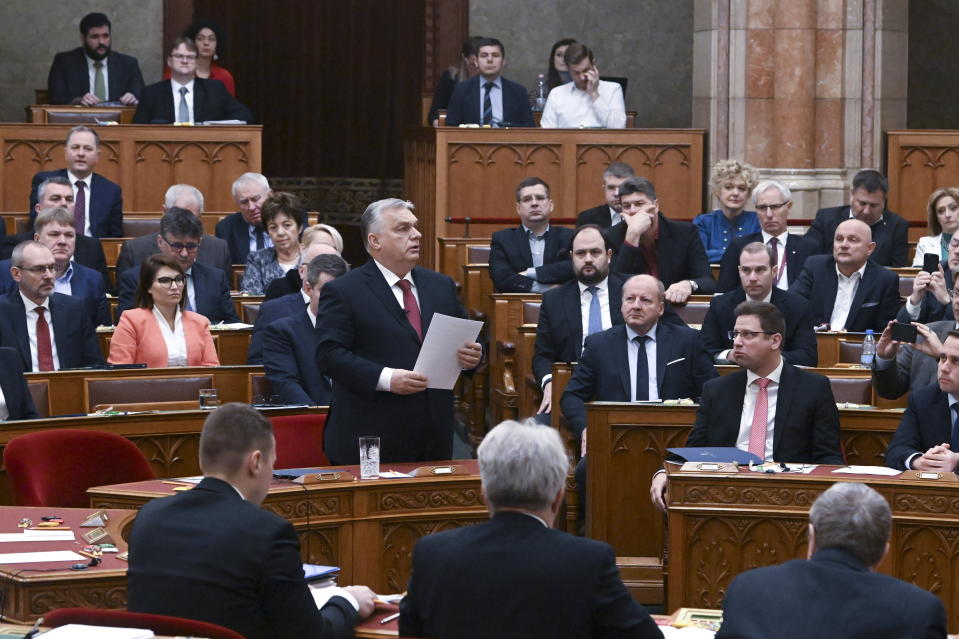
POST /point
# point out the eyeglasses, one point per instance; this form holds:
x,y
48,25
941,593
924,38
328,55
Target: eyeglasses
x,y
170,281
39,269
771,207
748,335
179,246
183,56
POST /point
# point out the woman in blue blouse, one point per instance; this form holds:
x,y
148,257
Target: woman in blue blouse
x,y
284,216
731,182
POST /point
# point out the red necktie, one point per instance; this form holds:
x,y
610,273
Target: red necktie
x,y
757,434
44,348
411,307
80,209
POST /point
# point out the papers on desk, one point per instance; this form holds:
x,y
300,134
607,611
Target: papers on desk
x,y
393,474
437,359
223,326
689,632
39,557
79,631
868,470
38,535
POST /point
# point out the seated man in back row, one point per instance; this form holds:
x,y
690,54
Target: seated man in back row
x,y
490,99
586,101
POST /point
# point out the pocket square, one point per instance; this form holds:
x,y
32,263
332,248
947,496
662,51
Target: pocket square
x,y
868,304
681,359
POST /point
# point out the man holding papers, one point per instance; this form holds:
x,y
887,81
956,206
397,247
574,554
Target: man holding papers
x,y
370,325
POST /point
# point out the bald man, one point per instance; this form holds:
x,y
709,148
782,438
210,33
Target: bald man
x,y
846,290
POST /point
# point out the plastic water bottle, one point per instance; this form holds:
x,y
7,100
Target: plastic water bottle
x,y
540,102
868,349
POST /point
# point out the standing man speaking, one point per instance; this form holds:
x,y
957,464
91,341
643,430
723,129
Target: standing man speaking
x,y
370,325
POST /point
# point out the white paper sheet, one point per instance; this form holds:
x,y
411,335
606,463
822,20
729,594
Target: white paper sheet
x,y
38,535
47,555
80,631
437,359
868,470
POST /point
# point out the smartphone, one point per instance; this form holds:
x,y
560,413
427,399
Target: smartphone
x,y
930,262
904,333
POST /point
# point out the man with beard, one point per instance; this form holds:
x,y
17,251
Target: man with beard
x,y
93,73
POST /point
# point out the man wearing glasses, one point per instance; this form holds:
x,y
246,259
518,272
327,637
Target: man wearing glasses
x,y
51,331
773,202
772,409
208,292
185,98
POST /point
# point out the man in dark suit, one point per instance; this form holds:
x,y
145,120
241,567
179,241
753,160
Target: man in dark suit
x,y
31,313
93,73
489,98
773,202
370,325
243,230
255,585
867,202
289,346
197,99
213,252
847,290
795,422
927,437
825,595
899,368
17,400
930,299
610,213
646,241
534,255
101,213
207,289
558,585
757,269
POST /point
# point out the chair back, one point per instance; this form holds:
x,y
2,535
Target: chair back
x,y
73,116
40,391
531,312
299,441
692,312
850,352
56,467
477,254
159,624
854,391
261,392
137,226
249,312
143,389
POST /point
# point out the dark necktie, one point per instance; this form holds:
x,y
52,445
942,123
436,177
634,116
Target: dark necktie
x,y
99,86
80,209
595,317
954,443
487,104
259,239
44,347
642,369
774,245
183,111
411,307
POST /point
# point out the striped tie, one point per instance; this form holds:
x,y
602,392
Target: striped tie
x,y
487,104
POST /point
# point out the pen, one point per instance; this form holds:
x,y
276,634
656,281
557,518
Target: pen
x,y
390,618
34,630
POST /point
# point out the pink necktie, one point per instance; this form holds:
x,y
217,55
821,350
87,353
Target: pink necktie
x,y
411,307
757,434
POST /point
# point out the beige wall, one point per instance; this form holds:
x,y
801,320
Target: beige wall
x,y
35,30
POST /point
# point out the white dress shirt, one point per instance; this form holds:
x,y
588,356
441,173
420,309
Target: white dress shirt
x,y
32,316
845,293
175,339
386,375
92,71
568,107
749,407
4,411
176,98
783,257
615,217
86,197
633,356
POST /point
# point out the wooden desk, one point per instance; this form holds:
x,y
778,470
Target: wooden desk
x,y
506,318
828,346
143,159
368,528
722,525
452,254
29,593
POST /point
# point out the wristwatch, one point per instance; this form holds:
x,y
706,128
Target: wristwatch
x,y
693,285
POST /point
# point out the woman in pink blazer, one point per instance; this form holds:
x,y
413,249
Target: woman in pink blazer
x,y
158,331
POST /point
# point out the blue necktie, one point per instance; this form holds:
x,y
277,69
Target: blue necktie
x,y
487,104
954,443
595,318
642,369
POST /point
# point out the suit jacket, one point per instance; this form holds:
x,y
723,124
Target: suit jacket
x,y
211,101
289,359
106,203
16,393
210,288
86,285
236,232
271,311
580,595
679,254
510,254
361,328
682,367
911,370
139,340
826,597
891,235
799,345
213,252
931,309
926,423
464,106
73,332
875,303
69,77
290,283
806,429
796,247
244,573
598,215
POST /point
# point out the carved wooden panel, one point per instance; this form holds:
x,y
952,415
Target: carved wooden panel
x,y
321,545
397,501
397,551
918,163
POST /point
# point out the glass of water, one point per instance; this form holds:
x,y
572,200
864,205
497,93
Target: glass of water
x,y
209,398
369,457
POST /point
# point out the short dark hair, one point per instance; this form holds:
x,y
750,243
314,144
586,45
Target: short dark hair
x,y
638,185
83,129
528,182
185,41
287,203
576,53
148,273
208,23
180,223
871,180
770,318
952,333
758,247
595,227
92,20
230,433
491,42
332,265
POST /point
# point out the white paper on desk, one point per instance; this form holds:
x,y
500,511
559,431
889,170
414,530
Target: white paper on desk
x,y
323,594
689,632
80,631
48,555
437,359
38,535
868,470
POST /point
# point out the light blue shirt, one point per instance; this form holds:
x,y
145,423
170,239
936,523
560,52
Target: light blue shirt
x,y
495,97
62,283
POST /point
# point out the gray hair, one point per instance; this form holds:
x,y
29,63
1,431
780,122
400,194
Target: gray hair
x,y
523,465
175,191
853,517
16,258
765,185
256,178
371,216
42,189
84,129
619,170
332,265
